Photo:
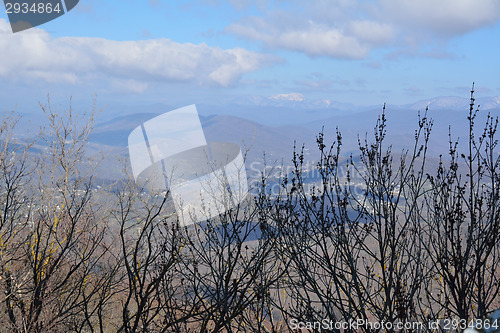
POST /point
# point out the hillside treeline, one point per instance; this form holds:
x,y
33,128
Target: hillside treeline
x,y
378,236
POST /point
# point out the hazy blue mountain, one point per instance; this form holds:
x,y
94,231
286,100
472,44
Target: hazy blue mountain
x,y
274,129
115,132
455,103
250,135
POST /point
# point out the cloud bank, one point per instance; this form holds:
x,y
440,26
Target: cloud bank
x,y
351,29
37,55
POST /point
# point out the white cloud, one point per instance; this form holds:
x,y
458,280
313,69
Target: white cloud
x,y
353,28
447,18
316,32
322,41
371,32
312,39
34,54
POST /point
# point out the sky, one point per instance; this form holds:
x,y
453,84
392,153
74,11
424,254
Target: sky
x,y
362,52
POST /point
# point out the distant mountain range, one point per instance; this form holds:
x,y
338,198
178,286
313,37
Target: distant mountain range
x,y
274,126
270,127
455,103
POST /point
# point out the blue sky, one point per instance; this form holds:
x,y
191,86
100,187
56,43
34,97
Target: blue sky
x,y
181,52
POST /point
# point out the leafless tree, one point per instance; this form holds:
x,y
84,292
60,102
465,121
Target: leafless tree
x,y
52,229
463,218
353,241
376,235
